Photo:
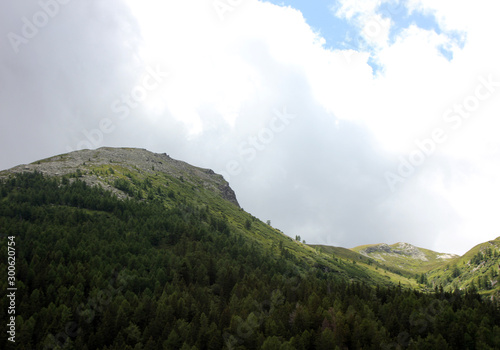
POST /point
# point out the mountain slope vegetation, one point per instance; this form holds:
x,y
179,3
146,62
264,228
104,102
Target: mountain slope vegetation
x,y
115,255
478,269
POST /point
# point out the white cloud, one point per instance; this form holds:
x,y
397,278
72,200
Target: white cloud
x,y
353,8
321,174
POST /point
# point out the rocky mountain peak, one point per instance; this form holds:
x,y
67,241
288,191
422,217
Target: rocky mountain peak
x,y
134,160
398,249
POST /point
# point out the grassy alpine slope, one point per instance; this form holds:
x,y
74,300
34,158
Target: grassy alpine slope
x,y
127,249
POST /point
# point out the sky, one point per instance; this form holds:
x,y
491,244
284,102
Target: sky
x,y
345,122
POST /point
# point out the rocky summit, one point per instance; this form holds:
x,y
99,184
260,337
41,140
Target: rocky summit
x,y
405,249
133,160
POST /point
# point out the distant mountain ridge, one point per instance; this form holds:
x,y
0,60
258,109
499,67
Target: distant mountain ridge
x,y
479,268
400,249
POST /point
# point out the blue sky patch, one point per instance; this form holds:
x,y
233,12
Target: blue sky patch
x,y
340,33
319,16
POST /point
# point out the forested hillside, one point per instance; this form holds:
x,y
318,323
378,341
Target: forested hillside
x,y
171,267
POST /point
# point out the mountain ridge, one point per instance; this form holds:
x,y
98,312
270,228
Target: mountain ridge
x,y
401,248
142,160
94,167
134,172
150,162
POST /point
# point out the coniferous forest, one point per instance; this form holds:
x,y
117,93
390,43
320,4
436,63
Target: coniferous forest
x,y
97,272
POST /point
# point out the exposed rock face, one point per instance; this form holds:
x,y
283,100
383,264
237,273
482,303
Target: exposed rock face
x,y
134,159
228,193
382,248
409,250
398,249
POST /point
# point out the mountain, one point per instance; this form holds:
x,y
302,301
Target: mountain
x,y
128,249
404,256
107,165
130,173
478,269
